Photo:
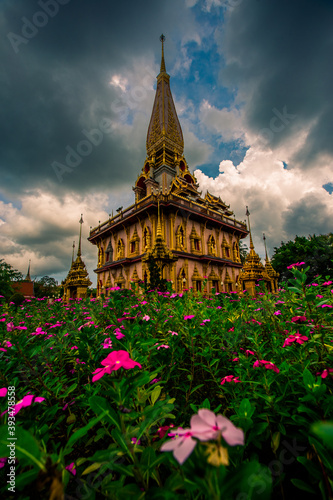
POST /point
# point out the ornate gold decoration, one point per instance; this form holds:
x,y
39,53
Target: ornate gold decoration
x,y
77,280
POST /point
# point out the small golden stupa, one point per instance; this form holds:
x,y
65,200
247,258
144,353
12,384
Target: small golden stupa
x,y
77,282
254,271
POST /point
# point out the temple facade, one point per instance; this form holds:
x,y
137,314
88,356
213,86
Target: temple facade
x,y
193,238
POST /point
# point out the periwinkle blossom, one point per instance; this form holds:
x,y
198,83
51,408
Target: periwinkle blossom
x,y
71,468
229,378
297,264
204,426
27,400
267,364
114,361
297,337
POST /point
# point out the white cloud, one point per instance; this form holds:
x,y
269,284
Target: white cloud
x,y
226,122
275,196
44,228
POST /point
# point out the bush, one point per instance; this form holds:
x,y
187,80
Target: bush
x,y
105,385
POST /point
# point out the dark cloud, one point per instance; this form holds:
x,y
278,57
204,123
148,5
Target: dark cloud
x,y
279,54
57,84
309,215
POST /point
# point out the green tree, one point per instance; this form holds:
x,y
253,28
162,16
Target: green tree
x,y
155,280
243,252
315,251
8,275
45,287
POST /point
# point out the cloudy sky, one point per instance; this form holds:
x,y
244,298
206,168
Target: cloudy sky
x,y
252,82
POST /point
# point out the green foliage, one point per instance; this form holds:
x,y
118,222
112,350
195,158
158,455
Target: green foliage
x,y
264,363
7,275
46,287
315,251
155,280
17,299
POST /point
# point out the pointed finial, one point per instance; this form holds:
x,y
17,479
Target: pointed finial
x,y
264,238
248,220
28,278
163,69
79,248
73,251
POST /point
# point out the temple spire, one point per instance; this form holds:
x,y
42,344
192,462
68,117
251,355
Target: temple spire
x,y
163,69
73,251
164,136
79,248
28,278
248,220
266,256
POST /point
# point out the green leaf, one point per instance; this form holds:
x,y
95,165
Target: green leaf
x,y
303,486
275,441
91,468
26,447
100,405
155,394
206,404
324,430
121,441
83,431
308,379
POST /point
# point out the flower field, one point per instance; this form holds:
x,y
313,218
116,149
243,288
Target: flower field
x,y
166,396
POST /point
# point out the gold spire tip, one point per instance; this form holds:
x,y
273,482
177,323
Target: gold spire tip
x,y
163,69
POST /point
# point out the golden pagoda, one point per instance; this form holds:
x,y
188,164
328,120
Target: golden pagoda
x,y
77,281
190,237
270,271
254,271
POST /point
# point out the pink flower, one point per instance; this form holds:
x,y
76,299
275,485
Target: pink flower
x,y
326,372
247,352
26,401
298,319
114,361
182,445
146,317
3,392
164,346
206,425
107,344
296,265
297,337
10,327
229,378
327,283
71,468
118,334
2,460
161,431
267,364
189,317
277,313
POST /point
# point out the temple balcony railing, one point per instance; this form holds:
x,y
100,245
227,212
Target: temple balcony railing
x,y
165,199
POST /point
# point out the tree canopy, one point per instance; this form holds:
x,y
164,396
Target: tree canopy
x,y
8,275
45,287
315,251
